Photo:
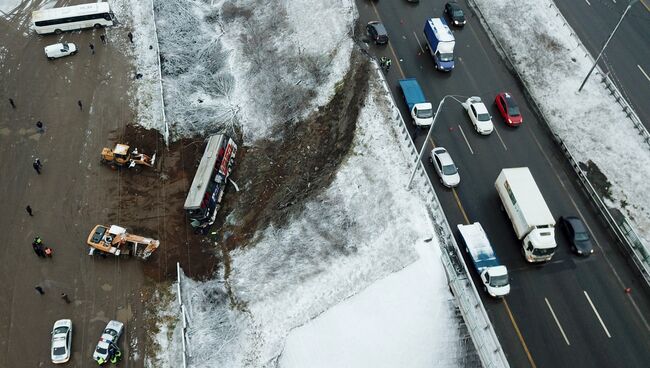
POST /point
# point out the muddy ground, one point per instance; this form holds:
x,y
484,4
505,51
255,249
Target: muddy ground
x,y
275,178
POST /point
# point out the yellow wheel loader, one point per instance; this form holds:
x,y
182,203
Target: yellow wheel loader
x,y
122,156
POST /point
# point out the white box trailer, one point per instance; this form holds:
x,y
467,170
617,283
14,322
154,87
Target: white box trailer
x,y
531,219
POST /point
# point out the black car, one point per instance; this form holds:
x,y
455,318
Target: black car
x,y
377,32
577,233
455,14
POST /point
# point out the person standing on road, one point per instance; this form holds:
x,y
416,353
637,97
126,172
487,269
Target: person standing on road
x,y
92,48
40,127
130,37
37,168
65,298
38,162
103,38
39,289
36,249
29,210
11,102
81,107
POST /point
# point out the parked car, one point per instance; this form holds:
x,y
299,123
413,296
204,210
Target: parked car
x,y
377,32
61,341
479,115
445,167
508,109
111,334
455,13
577,233
60,50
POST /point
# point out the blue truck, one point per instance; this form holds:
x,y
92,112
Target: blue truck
x,y
420,109
493,275
440,42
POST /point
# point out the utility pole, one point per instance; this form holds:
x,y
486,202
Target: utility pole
x,y
629,5
415,168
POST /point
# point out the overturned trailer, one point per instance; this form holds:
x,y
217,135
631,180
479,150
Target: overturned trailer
x,y
204,197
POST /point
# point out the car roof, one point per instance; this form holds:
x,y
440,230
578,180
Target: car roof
x,y
480,107
576,223
510,101
443,155
379,27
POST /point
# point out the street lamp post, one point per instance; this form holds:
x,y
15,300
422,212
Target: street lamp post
x,y
427,138
629,5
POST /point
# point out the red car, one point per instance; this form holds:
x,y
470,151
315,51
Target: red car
x,y
508,109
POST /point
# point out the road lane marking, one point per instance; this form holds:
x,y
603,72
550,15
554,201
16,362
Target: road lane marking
x,y
501,139
460,206
602,251
465,137
419,44
645,5
521,337
588,3
557,321
643,71
390,46
597,314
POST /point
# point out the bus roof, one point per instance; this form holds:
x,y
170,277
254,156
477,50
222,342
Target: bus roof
x,y
204,172
66,11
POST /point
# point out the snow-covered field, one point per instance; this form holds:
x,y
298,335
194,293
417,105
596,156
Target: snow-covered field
x,y
591,122
344,241
399,321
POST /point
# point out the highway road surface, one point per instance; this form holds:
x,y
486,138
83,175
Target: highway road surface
x,y
570,312
627,57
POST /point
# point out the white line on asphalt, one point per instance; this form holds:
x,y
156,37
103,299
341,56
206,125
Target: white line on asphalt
x,y
502,142
588,3
597,315
557,322
643,71
466,141
417,39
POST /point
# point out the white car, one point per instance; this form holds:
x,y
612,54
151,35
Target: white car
x,y
60,50
61,341
445,167
111,334
479,115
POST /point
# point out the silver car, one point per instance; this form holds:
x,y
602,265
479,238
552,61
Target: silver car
x,y
61,341
111,334
445,167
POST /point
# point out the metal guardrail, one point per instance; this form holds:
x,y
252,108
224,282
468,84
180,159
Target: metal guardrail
x,y
183,313
619,224
469,302
609,83
160,83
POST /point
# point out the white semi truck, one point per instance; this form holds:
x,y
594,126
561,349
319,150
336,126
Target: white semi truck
x,y
532,220
493,274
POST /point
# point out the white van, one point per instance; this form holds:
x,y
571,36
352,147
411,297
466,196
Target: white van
x,y
60,50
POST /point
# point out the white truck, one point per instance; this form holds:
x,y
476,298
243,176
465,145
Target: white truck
x,y
493,274
532,220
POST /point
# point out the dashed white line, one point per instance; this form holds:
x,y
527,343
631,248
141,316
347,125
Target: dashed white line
x,y
466,141
597,315
417,39
588,3
501,139
643,71
557,322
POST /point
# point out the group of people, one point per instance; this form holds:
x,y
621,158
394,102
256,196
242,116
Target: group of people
x,y
114,355
40,249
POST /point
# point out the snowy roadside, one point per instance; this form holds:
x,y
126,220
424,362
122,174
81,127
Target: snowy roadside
x,y
359,230
591,123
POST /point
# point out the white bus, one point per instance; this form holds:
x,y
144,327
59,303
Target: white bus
x,y
70,18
